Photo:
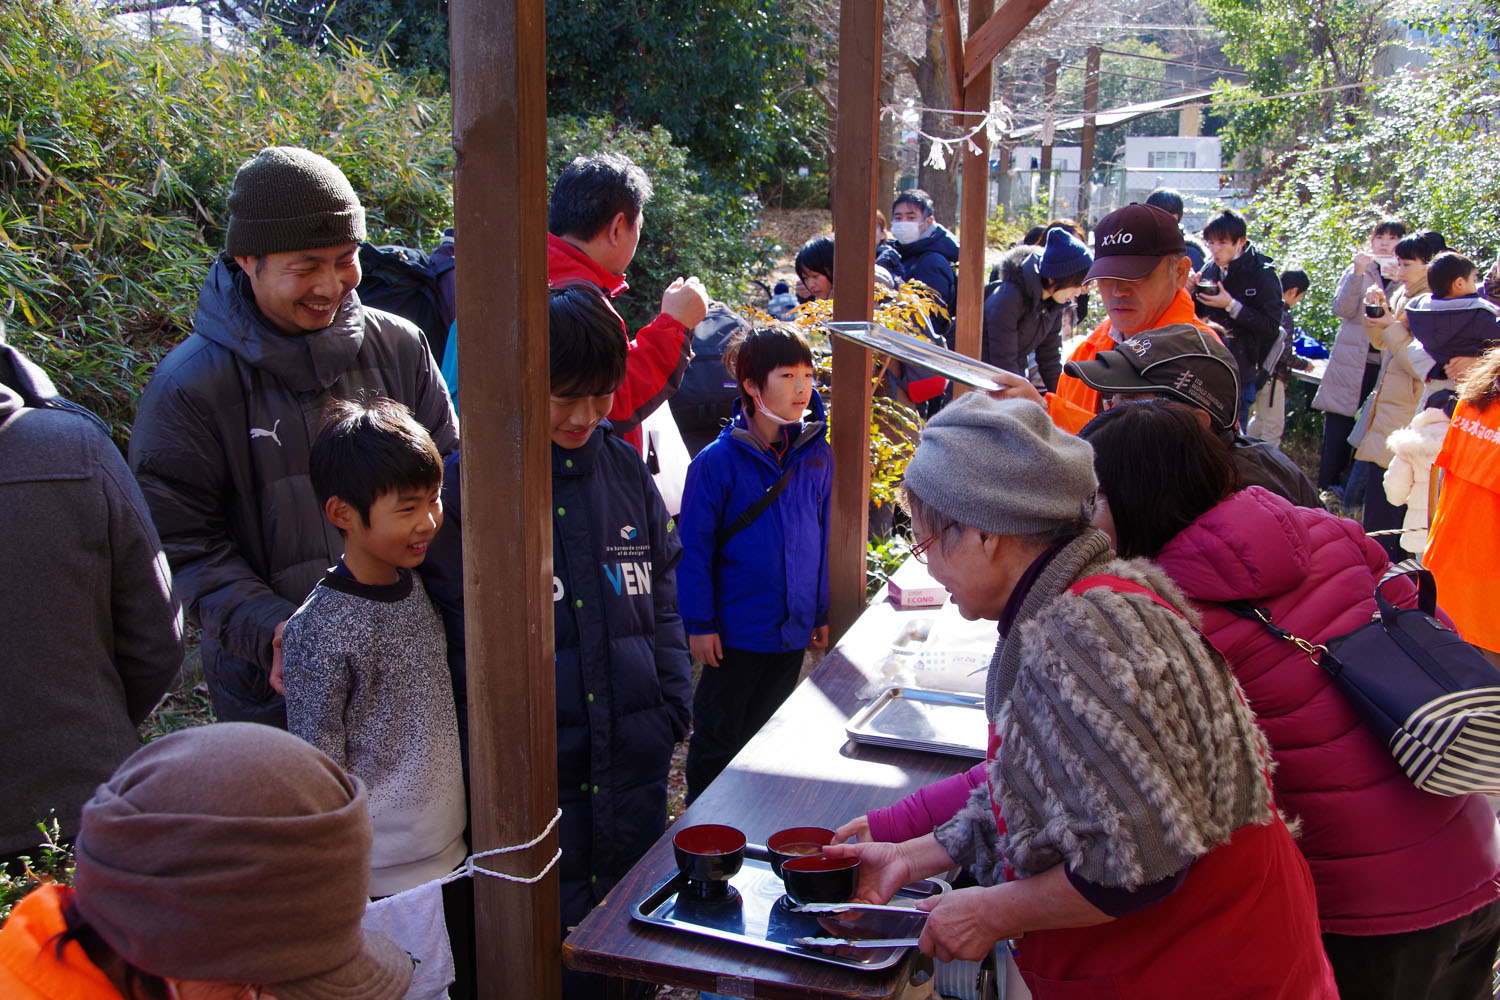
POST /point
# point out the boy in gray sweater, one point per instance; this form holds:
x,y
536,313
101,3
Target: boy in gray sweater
x,y
365,659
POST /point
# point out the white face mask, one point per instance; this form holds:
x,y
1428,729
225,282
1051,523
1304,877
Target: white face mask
x,y
765,411
906,232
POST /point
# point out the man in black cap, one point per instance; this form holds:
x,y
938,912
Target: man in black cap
x,y
221,440
1190,365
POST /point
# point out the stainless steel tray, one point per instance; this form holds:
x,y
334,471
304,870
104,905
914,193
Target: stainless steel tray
x,y
911,718
758,916
958,367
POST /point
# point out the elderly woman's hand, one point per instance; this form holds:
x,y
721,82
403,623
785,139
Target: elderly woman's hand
x,y
965,924
884,868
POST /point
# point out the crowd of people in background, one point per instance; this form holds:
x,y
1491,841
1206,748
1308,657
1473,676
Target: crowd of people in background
x,y
293,485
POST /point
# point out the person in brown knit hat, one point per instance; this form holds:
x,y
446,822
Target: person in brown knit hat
x,y
222,436
230,860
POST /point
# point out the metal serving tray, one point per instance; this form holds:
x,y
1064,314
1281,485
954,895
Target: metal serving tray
x,y
909,718
758,916
958,367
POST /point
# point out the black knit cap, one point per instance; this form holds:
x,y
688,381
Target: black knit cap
x,y
287,198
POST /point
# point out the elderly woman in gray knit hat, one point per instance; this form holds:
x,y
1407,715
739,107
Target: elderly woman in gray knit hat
x,y
1121,828
220,863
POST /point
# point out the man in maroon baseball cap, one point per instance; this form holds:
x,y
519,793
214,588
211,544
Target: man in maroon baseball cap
x,y
1141,272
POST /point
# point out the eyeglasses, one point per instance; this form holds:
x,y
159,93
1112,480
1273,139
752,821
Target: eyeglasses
x,y
919,550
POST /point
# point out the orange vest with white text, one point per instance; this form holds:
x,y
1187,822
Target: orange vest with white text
x,y
1463,548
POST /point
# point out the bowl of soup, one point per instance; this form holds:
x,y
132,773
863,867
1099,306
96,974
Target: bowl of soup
x,y
796,842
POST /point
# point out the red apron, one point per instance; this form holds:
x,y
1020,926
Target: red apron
x,y
1243,923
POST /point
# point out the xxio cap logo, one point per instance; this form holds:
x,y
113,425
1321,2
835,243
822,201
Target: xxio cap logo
x,y
1117,239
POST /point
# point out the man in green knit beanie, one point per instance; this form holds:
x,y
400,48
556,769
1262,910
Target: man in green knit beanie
x,y
221,440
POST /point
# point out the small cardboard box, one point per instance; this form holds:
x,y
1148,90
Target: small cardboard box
x,y
911,587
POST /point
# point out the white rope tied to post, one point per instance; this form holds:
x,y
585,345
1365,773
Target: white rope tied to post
x,y
469,869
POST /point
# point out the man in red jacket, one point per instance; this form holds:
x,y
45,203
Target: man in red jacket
x,y
593,226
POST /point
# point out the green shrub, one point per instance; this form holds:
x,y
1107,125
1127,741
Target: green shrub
x,y
1424,153
116,156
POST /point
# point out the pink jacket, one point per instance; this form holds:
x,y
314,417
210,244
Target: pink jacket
x,y
1385,857
926,809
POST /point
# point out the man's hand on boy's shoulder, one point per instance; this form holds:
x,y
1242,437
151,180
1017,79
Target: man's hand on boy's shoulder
x,y
686,301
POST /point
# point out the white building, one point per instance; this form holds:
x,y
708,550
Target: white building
x,y
1189,163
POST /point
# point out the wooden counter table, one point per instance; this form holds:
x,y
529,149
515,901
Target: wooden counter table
x,y
800,770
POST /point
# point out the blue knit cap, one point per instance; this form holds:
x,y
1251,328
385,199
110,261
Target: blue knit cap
x,y
1065,254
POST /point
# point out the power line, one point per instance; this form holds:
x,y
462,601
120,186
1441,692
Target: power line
x,y
1174,62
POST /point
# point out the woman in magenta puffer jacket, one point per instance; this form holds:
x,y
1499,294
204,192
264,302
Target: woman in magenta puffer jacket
x,y
1406,880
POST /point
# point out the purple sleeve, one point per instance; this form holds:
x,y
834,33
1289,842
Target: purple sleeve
x,y
926,809
1120,902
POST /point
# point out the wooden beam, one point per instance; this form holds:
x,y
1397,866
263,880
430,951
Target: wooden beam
x,y
853,267
974,201
990,38
1090,107
953,48
498,53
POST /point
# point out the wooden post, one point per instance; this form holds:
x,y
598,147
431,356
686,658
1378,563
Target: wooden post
x,y
973,201
1090,107
854,264
500,133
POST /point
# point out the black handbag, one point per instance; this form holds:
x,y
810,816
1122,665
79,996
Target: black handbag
x,y
1432,698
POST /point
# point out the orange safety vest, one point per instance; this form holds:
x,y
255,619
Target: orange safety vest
x,y
1463,548
1074,404
30,966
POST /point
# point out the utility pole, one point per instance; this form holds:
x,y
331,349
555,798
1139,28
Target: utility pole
x,y
1049,125
1090,109
1049,100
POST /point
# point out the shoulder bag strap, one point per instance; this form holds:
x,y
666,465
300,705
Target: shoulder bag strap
x,y
750,513
1121,586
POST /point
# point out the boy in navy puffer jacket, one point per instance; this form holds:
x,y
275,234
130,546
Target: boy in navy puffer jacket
x,y
755,581
622,671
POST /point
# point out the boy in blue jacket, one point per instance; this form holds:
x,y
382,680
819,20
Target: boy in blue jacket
x,y
754,571
623,676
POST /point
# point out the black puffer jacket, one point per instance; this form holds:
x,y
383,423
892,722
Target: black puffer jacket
x,y
930,260
1019,321
623,674
220,447
1252,281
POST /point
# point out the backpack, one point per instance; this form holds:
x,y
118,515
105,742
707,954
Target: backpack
x,y
707,394
407,282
